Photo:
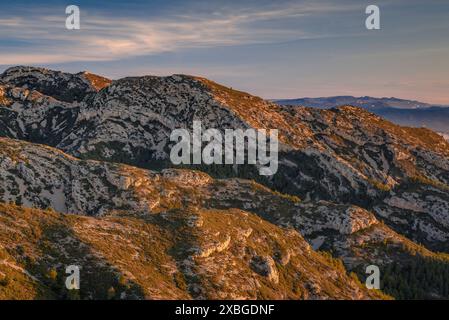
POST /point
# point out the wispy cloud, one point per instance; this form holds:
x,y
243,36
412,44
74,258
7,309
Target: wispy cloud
x,y
114,37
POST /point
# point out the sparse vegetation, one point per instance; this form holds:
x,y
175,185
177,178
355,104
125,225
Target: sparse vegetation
x,y
184,234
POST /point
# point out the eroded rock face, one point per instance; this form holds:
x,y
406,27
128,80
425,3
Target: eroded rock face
x,y
344,219
420,211
266,267
38,176
62,86
344,155
156,258
352,169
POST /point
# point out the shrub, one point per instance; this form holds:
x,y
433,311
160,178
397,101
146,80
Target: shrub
x,y
52,274
4,281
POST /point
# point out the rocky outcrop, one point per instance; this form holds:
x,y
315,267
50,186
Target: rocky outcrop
x,y
152,258
266,267
364,181
62,86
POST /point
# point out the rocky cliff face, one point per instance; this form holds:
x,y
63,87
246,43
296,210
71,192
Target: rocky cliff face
x,y
364,184
62,86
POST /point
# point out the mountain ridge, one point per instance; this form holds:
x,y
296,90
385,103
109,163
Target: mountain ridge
x,y
366,102
349,182
345,155
404,112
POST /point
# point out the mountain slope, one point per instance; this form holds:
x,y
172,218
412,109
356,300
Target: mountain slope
x,y
62,86
434,118
404,112
344,155
368,185
43,177
179,254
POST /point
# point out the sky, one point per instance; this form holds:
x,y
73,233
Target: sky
x,y
273,49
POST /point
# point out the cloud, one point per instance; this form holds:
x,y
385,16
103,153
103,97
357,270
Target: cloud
x,y
42,38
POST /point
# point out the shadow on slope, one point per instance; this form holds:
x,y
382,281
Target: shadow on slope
x,y
44,244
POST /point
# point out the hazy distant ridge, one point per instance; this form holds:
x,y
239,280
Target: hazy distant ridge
x,y
404,112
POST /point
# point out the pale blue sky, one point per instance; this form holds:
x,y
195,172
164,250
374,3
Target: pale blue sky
x,y
274,49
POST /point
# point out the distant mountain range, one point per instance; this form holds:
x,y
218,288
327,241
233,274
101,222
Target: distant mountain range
x,y
404,112
369,103
86,179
